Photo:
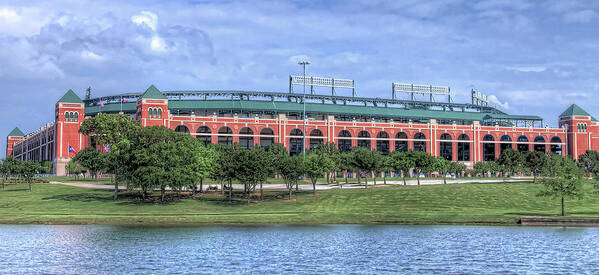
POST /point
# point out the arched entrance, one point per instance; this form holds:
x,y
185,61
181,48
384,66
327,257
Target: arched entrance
x,y
314,140
382,142
225,136
488,148
295,141
506,143
246,138
266,137
182,129
344,141
464,148
401,142
204,135
522,146
364,139
556,145
539,147
446,146
419,142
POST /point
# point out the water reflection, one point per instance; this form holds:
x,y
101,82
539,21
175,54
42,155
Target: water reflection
x,y
299,249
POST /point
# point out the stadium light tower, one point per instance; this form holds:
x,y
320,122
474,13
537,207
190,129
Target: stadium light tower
x,y
304,63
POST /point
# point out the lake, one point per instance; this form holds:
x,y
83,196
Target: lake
x,y
338,249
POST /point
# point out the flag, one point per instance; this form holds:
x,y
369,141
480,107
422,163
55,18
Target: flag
x,y
101,103
72,150
106,148
124,100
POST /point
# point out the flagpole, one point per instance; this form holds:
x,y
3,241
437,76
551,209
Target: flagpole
x,y
121,104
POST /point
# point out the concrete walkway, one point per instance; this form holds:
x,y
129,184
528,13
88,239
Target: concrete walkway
x,y
319,186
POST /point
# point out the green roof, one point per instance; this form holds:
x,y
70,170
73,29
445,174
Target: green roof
x,y
16,132
575,110
70,97
332,109
153,93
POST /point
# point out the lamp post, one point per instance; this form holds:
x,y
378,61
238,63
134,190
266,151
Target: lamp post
x,y
304,63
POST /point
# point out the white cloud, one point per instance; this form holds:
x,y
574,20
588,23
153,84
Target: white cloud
x,y
494,101
8,16
583,16
528,69
147,18
91,55
157,44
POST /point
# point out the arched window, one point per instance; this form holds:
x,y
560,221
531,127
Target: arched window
x,y
506,143
66,116
488,148
150,112
314,142
344,141
76,117
246,138
401,142
464,148
266,137
225,136
182,129
72,116
364,139
419,145
159,113
204,135
446,146
556,145
522,146
382,142
539,147
295,141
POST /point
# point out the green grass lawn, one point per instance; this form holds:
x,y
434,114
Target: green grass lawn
x,y
433,204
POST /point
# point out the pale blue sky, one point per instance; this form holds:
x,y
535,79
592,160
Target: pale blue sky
x,y
533,57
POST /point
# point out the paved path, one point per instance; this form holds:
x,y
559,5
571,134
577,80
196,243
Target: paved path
x,y
320,186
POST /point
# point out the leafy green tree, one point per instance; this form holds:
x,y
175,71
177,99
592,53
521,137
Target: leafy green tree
x,y
563,179
442,166
92,159
317,164
162,158
481,168
228,165
423,163
457,168
510,161
206,163
589,162
378,165
401,162
345,162
10,166
364,161
46,167
253,168
28,169
74,168
330,150
535,161
291,168
115,130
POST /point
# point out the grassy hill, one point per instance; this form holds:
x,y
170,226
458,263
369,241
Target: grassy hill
x,y
433,204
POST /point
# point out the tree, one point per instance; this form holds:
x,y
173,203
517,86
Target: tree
x,y
74,168
535,161
401,162
457,168
330,150
480,168
46,167
253,168
345,162
563,179
442,166
206,163
317,164
92,159
10,166
423,162
290,168
589,162
116,130
378,165
510,161
28,169
228,165
364,161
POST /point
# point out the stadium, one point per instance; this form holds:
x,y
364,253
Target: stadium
x,y
415,117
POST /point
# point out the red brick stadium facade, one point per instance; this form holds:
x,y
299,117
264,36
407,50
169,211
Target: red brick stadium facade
x,y
458,136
